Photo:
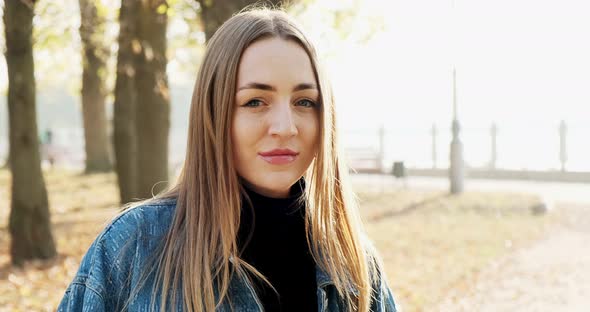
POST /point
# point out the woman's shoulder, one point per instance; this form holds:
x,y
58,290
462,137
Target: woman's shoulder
x,y
130,230
122,247
150,217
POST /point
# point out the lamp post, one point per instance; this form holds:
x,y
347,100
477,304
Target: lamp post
x,y
456,170
562,145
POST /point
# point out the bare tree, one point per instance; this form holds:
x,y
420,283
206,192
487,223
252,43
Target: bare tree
x,y
125,135
93,90
7,162
29,223
153,102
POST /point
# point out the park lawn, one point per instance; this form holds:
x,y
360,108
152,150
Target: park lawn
x,y
430,242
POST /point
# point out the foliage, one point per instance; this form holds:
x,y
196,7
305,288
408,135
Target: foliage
x,y
335,25
186,40
56,44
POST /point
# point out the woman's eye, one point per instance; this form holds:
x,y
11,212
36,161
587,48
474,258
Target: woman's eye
x,y
253,103
306,103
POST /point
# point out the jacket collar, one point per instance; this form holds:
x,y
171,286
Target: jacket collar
x,y
323,280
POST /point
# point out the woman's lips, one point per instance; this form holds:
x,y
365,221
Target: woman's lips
x,y
279,156
279,159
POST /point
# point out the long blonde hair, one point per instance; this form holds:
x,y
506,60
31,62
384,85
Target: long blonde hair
x,y
199,253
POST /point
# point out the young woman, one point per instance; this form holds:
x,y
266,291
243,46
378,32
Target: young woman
x,y
261,217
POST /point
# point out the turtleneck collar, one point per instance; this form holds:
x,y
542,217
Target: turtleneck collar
x,y
294,200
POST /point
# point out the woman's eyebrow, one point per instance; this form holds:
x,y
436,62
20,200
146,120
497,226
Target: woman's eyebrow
x,y
304,86
266,87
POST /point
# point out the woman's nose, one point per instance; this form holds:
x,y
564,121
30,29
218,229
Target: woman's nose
x,y
282,121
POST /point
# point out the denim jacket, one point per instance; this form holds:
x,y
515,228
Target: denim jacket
x,y
113,264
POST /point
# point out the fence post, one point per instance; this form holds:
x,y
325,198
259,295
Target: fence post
x,y
433,133
562,144
494,151
381,148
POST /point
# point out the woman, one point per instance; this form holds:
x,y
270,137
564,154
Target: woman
x,y
261,217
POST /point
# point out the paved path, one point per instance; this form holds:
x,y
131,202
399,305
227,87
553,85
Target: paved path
x,y
551,275
552,192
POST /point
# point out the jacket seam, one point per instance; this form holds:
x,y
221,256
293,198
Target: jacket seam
x,y
86,286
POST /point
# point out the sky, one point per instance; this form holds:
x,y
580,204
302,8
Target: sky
x,y
515,60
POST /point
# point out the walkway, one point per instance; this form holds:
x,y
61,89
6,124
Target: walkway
x,y
551,275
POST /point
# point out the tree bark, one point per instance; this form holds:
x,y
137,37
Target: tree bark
x,y
93,90
29,223
153,104
7,162
125,135
216,12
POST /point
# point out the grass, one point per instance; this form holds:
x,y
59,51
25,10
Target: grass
x,y
430,242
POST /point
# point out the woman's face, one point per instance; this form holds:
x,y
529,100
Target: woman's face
x,y
275,126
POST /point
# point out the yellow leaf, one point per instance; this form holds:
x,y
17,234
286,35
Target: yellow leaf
x,y
135,46
25,291
162,8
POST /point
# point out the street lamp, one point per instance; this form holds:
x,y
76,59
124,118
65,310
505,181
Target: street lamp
x,y
456,170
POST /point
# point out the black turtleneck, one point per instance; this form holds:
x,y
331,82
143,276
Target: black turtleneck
x,y
278,249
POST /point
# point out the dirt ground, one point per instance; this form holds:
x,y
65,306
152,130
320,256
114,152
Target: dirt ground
x,y
553,274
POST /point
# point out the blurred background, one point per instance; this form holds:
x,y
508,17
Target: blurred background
x,y
465,124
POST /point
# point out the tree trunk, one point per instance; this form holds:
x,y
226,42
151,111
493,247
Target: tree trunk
x,y
215,13
29,223
7,162
93,91
153,104
125,135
